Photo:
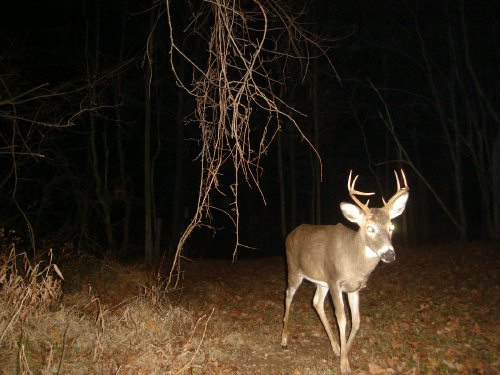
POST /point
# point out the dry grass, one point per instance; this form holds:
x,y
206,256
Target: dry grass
x,y
25,289
86,331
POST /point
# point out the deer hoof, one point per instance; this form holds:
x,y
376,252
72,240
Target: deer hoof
x,y
284,343
344,367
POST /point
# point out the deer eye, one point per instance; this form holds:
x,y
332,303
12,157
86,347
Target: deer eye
x,y
370,229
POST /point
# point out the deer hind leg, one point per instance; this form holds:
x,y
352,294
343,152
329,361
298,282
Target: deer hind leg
x,y
318,303
293,285
338,302
354,305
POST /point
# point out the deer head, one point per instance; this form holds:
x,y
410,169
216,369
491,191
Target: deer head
x,y
375,226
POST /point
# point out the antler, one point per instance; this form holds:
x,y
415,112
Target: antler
x,y
353,193
401,190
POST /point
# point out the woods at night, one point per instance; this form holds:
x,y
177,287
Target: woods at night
x,y
171,138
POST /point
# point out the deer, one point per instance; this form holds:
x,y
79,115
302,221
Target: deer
x,y
338,259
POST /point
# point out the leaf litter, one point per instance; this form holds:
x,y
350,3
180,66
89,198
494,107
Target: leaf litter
x,y
433,311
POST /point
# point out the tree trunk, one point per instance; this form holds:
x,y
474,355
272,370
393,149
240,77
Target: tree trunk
x,y
124,194
293,180
451,133
316,162
100,187
148,201
156,224
495,176
177,196
282,187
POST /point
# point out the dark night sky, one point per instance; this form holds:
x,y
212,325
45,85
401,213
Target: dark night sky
x,y
44,42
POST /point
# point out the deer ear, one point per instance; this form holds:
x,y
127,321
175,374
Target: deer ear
x,y
398,206
351,212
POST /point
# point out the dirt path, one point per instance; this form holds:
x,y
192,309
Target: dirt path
x,y
433,311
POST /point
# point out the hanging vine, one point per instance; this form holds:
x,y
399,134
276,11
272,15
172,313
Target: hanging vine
x,y
244,44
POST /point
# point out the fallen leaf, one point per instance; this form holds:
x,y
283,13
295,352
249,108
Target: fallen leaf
x,y
450,353
375,369
55,335
393,361
396,345
58,271
453,365
476,328
433,361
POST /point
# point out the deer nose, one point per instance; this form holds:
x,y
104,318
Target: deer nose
x,y
388,256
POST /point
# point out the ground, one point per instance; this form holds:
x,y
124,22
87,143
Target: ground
x,y
435,310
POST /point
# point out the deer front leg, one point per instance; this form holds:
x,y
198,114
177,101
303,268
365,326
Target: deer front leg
x,y
354,305
338,302
318,303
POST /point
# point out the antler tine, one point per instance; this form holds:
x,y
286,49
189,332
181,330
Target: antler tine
x,y
397,180
400,190
405,187
353,192
404,179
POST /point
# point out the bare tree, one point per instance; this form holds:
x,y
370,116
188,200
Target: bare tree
x,y
234,88
466,114
148,179
462,123
316,166
29,116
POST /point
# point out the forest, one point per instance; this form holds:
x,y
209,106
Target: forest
x,y
159,133
90,102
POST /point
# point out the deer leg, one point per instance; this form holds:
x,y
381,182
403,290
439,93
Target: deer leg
x,y
318,303
293,284
338,302
354,305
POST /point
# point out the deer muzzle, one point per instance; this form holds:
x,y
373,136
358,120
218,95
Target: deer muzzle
x,y
388,256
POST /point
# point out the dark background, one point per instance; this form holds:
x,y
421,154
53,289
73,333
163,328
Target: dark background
x,y
93,55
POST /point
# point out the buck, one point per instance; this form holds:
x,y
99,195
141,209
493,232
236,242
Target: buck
x,y
340,260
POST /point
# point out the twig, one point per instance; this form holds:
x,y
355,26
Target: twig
x,y
63,350
201,339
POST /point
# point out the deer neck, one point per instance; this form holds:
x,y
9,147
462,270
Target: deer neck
x,y
364,257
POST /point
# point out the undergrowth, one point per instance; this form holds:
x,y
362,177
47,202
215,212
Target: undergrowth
x,y
44,331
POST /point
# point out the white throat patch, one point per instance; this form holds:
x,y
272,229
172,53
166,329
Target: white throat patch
x,y
369,253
